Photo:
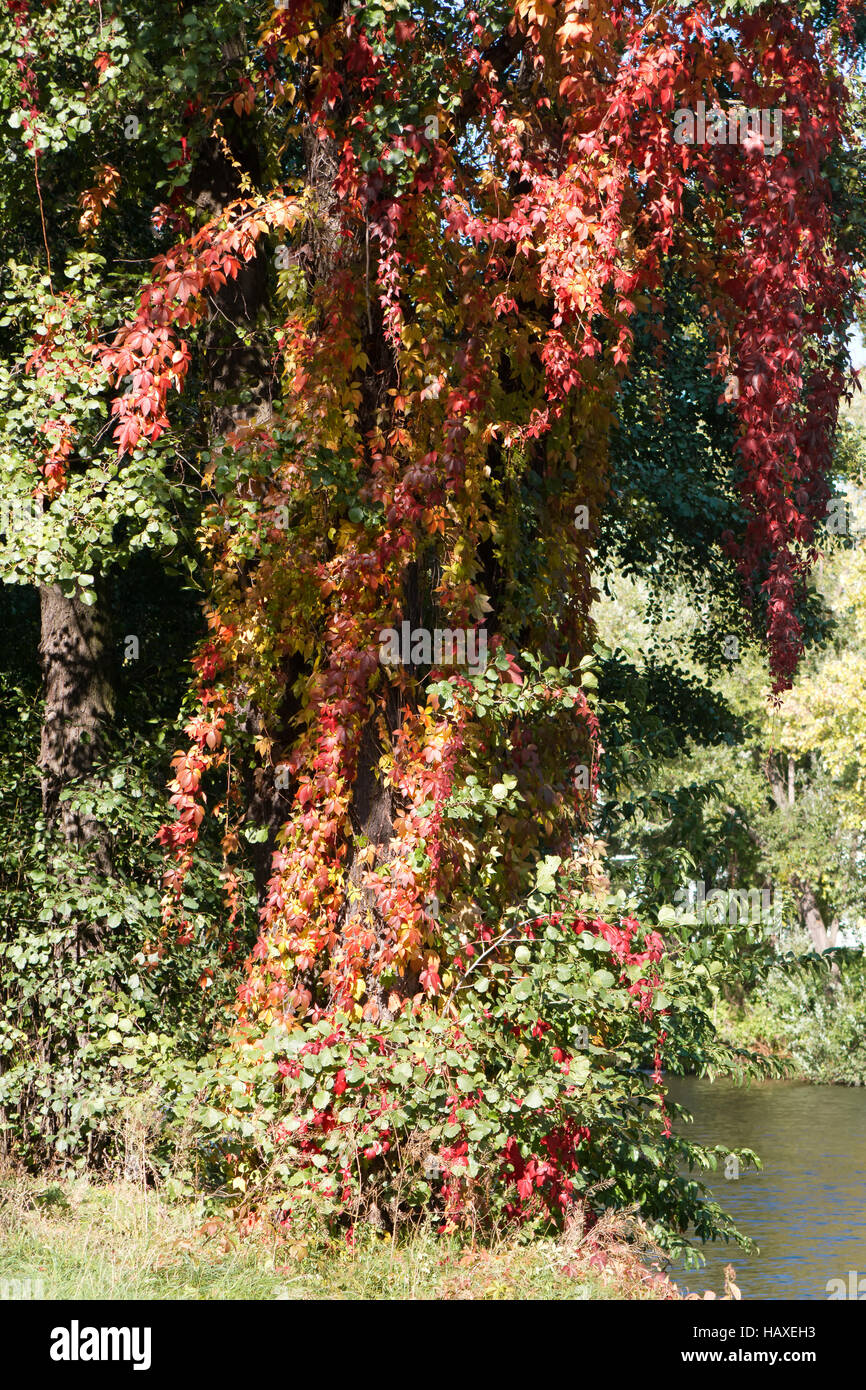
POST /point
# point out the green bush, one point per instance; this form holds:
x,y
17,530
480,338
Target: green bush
x,y
93,1001
539,1067
811,1009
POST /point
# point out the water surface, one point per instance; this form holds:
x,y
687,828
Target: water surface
x,y
807,1208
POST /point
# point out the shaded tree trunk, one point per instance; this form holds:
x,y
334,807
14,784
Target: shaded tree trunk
x,y
78,706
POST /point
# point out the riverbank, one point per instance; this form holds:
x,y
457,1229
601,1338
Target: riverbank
x,y
77,1240
810,1015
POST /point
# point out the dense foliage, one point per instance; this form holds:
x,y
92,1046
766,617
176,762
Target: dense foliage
x,y
369,318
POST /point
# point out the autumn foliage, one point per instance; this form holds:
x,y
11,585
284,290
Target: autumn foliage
x,y
504,292
487,203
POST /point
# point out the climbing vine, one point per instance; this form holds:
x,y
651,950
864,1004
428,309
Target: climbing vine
x,y
458,215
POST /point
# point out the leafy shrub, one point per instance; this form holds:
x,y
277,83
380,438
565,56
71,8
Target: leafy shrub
x,y
812,1013
535,1085
93,1004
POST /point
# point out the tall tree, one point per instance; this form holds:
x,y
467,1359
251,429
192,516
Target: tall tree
x,y
404,252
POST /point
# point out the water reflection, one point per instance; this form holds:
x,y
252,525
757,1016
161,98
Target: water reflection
x,y
807,1208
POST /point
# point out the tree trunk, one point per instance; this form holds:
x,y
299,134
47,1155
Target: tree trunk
x,y
783,793
777,785
78,705
813,918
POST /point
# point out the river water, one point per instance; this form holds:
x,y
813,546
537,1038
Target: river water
x,y
806,1209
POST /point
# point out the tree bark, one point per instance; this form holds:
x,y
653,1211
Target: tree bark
x,y
777,784
78,706
813,918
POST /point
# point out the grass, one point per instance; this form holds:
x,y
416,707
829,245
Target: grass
x,y
120,1241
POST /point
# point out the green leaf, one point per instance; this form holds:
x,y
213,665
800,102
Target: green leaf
x,y
602,979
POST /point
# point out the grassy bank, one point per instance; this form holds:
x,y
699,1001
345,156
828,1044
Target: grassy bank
x,y
77,1240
